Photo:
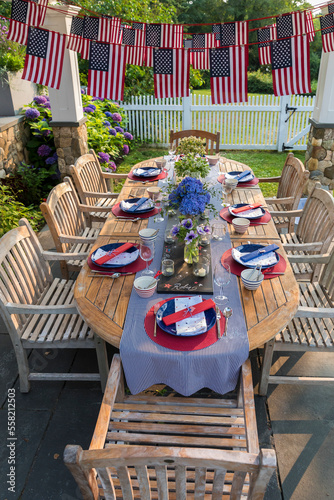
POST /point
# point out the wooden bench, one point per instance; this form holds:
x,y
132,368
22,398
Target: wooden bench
x,y
212,140
172,447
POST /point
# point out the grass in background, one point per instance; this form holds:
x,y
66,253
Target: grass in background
x,y
263,163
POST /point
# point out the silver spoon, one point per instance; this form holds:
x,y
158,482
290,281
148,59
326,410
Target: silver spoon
x,y
115,275
128,219
227,313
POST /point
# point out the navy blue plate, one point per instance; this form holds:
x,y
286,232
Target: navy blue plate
x,y
242,214
236,173
169,308
138,211
147,170
133,251
247,248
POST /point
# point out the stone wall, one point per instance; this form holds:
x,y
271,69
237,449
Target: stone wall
x,y
13,139
319,156
71,143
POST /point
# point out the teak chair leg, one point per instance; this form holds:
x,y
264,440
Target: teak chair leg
x,y
23,367
266,365
102,360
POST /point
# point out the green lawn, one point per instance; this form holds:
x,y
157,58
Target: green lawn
x,y
263,163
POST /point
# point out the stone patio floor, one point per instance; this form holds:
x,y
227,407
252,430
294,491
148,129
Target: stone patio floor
x,y
297,421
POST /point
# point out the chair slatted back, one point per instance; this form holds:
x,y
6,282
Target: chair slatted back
x,y
24,275
86,173
292,182
148,472
62,214
212,140
327,279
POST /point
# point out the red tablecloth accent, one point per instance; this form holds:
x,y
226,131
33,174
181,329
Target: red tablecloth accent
x,y
133,177
134,267
118,212
237,268
253,182
225,214
178,343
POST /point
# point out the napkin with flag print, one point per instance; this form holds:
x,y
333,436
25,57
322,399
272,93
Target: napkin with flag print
x,y
189,315
258,253
113,253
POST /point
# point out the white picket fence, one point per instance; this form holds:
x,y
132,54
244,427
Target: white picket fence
x,y
264,122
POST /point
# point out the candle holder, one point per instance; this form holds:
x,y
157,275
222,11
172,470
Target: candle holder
x,y
202,267
167,267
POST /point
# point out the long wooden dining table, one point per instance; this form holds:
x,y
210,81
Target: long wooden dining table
x,y
103,301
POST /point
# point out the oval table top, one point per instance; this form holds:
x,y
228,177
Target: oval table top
x,y
103,301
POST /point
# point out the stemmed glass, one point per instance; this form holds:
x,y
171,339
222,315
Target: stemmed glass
x,y
221,276
226,189
159,204
146,251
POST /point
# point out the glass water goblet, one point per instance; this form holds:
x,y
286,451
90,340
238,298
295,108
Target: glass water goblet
x,y
221,276
226,189
146,251
160,204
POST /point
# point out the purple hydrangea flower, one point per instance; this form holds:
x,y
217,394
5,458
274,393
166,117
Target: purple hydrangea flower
x,y
98,99
92,106
187,223
106,123
87,109
112,131
44,150
189,238
116,117
128,136
83,91
40,99
126,149
112,166
103,157
32,113
51,160
46,132
108,114
46,105
119,129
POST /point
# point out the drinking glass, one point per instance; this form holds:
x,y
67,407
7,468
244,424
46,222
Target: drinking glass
x,y
226,189
171,153
159,204
221,276
218,231
146,250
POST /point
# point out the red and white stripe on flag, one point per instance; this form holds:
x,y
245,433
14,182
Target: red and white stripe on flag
x,y
109,29
171,36
232,88
327,32
109,83
310,26
42,4
264,52
303,24
241,33
85,48
74,43
296,78
47,69
200,58
24,14
149,56
175,83
136,53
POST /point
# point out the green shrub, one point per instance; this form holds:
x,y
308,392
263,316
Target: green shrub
x,y
11,53
11,211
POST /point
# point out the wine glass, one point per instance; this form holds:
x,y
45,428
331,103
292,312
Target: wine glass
x,y
171,153
159,204
221,276
226,189
146,251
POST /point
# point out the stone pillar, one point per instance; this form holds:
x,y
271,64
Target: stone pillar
x,y
71,142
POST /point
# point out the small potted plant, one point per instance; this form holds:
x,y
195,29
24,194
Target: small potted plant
x,y
191,144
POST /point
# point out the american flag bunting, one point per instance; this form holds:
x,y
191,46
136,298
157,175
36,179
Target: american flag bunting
x,y
296,23
234,33
264,37
331,8
171,72
162,35
75,37
134,38
23,15
106,71
44,58
327,32
199,55
290,61
216,31
228,72
102,29
42,4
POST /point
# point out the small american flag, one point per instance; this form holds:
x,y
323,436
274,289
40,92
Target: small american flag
x,y
327,32
24,14
264,37
228,72
234,33
106,70
171,73
102,29
331,8
135,39
44,58
164,35
290,61
75,38
296,23
200,56
216,31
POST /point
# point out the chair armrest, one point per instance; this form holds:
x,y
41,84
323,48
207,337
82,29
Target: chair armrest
x,y
40,309
111,175
270,179
303,247
65,256
107,405
287,213
246,388
314,312
90,208
92,194
63,238
280,201
311,259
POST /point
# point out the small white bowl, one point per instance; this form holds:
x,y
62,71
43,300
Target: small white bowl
x,y
160,163
153,192
240,224
148,234
250,279
145,286
212,159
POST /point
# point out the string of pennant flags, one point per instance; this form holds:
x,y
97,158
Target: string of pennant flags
x,y
110,44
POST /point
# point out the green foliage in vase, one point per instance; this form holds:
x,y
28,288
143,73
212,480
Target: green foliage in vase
x,y
191,145
192,165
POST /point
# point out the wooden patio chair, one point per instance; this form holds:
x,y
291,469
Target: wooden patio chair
x,y
92,187
314,233
64,215
212,140
289,192
172,447
311,330
39,310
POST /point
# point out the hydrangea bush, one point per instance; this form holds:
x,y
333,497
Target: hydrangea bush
x,y
190,197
